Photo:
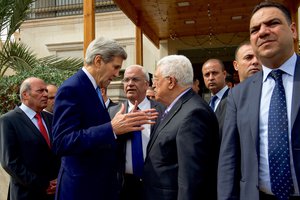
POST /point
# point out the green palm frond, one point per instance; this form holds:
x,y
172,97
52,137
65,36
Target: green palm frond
x,y
53,61
6,12
20,8
16,56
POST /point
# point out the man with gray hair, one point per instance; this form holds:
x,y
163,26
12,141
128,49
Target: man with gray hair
x,y
25,145
135,84
84,135
182,153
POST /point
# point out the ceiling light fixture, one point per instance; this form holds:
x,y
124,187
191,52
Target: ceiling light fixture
x,y
183,4
238,17
189,22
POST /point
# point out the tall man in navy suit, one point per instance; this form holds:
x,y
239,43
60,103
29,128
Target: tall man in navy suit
x,y
247,154
25,152
84,135
182,153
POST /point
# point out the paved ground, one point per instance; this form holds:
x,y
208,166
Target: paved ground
x,y
4,179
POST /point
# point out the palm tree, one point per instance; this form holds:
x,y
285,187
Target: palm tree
x,y
16,55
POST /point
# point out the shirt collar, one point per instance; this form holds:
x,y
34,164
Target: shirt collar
x,y
28,111
142,105
288,67
221,92
176,99
90,77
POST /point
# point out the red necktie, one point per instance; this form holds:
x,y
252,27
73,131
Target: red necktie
x,y
42,128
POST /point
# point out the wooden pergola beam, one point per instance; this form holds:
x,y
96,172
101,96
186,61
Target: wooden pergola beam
x,y
89,23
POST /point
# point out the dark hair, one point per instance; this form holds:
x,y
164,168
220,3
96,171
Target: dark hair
x,y
268,4
247,42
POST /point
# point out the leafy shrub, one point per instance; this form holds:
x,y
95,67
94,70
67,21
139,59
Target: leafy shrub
x,y
9,85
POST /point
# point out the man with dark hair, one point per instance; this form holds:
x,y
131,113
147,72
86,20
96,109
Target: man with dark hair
x,y
246,63
259,155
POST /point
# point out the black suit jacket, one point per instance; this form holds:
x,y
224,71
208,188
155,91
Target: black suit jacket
x,y
239,153
122,139
181,160
26,157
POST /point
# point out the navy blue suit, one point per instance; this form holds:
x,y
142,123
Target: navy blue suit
x,y
84,138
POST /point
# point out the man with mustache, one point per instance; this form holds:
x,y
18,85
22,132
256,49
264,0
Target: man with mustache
x,y
246,63
259,156
135,83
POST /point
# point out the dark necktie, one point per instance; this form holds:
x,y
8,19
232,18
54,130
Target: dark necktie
x,y
137,153
42,128
164,115
100,96
212,102
278,140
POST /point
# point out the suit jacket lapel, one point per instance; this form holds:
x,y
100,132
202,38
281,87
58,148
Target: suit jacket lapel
x,y
254,107
296,94
29,123
168,117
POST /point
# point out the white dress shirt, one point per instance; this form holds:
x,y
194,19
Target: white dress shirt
x,y
144,105
220,96
267,88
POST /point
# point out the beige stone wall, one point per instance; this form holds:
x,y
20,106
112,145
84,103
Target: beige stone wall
x,y
63,36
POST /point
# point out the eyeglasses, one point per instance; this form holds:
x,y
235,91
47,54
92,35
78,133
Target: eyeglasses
x,y
133,79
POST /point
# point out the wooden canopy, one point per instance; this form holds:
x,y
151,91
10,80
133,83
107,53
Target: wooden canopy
x,y
164,19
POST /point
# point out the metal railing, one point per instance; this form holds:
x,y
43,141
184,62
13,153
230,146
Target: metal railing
x,y
57,8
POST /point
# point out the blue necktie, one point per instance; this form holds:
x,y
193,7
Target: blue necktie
x,y
212,102
137,154
278,140
100,96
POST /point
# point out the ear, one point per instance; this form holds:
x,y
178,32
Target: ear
x,y
235,65
294,30
97,60
172,82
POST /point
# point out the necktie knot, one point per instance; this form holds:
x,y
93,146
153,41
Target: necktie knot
x,y
100,96
276,74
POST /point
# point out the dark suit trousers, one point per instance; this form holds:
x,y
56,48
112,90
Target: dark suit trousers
x,y
132,188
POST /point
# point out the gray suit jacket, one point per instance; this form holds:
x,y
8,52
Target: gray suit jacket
x,y
181,160
239,153
220,112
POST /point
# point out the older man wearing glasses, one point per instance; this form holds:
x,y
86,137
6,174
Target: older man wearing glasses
x,y
132,146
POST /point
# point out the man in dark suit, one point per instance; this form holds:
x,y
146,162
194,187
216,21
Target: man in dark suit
x,y
25,152
84,135
214,76
52,90
246,63
247,170
181,161
108,102
136,82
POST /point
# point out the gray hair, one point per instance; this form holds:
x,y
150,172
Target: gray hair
x,y
107,48
178,66
143,69
25,86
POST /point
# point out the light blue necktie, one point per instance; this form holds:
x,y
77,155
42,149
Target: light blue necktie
x,y
278,140
100,96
